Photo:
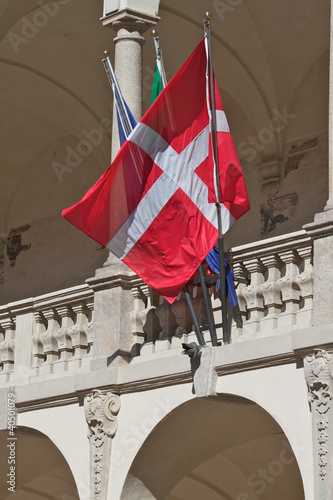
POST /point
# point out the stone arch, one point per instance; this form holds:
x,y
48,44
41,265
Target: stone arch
x,y
40,469
226,447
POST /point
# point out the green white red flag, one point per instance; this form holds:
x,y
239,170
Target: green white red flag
x,y
154,207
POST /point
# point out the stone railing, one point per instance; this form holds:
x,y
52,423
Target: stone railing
x,y
54,333
276,299
46,334
279,296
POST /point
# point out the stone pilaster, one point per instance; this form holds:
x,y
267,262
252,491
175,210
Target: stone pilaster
x,y
129,25
3,240
329,205
101,410
113,305
322,227
318,373
321,230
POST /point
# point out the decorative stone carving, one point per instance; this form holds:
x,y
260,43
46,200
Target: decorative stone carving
x,y
101,410
318,373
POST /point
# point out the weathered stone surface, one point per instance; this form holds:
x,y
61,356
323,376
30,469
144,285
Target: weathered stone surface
x,y
113,305
203,372
321,231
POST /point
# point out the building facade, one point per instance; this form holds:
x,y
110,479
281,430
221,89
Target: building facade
x,y
97,400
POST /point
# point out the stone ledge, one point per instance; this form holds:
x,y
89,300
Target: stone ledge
x,y
173,369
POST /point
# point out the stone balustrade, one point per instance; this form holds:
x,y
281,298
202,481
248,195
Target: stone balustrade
x,y
47,334
53,333
279,295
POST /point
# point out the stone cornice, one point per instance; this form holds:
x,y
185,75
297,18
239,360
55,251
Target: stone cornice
x,y
157,371
270,245
321,227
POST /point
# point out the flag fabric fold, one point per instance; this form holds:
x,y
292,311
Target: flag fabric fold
x,y
154,206
122,134
157,86
213,262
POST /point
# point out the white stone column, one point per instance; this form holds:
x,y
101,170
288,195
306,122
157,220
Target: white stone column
x,y
129,25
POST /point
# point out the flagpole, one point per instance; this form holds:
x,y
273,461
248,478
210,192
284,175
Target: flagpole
x,y
159,58
217,180
113,81
211,326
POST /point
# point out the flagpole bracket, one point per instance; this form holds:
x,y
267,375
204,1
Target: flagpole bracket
x,y
192,350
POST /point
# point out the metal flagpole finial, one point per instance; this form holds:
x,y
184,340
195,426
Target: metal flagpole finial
x,y
154,33
105,54
207,16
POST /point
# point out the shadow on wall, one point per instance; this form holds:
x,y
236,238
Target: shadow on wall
x,y
226,444
32,466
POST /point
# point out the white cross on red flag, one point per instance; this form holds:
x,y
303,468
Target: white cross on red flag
x,y
154,207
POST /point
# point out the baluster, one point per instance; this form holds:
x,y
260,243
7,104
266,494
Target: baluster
x,y
240,315
290,289
254,297
78,334
151,326
272,292
183,320
138,316
7,347
89,329
49,341
168,325
305,282
39,356
63,338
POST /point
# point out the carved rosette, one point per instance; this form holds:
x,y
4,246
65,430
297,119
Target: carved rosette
x,y
101,410
318,374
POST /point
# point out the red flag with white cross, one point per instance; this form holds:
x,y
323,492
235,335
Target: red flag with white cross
x,y
154,207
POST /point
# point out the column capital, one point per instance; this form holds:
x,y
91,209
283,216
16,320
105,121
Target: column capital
x,y
130,19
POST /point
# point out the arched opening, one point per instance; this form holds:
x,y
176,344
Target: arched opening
x,y
39,469
225,447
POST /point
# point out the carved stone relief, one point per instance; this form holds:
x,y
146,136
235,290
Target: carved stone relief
x,y
318,374
101,410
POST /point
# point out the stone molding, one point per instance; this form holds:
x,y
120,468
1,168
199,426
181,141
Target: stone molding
x,y
101,410
322,226
270,174
318,369
130,19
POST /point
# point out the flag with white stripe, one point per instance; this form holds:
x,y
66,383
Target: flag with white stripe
x,y
154,207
